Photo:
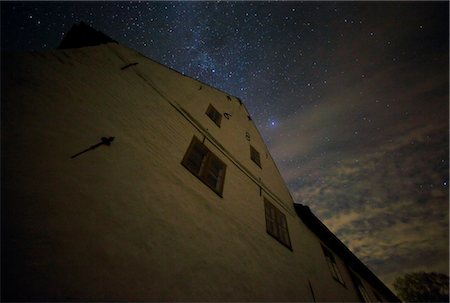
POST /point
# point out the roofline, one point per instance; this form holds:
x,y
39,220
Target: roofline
x,y
325,235
105,39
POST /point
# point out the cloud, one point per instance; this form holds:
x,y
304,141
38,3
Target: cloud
x,y
390,207
370,160
369,153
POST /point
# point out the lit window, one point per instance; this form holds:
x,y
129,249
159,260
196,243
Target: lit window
x,y
254,155
331,261
214,115
276,224
200,161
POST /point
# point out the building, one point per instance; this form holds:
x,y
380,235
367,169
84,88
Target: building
x,y
125,180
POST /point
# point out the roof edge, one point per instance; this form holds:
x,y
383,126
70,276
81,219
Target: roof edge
x,y
82,35
331,240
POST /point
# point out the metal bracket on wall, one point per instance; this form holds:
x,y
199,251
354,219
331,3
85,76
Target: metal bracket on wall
x,y
104,141
247,136
128,65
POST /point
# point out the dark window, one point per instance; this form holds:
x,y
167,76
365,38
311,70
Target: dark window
x,y
254,155
200,161
360,289
379,299
331,261
214,115
276,224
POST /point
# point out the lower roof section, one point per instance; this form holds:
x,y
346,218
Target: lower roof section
x,y
327,237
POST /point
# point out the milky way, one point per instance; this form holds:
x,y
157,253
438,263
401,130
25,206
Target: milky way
x,y
351,98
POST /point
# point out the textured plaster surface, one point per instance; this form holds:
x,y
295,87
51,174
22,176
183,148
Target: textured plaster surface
x,y
128,221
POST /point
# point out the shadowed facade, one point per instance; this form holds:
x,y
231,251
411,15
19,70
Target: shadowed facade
x,y
185,204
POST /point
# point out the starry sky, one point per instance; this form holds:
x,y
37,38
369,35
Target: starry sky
x,y
352,99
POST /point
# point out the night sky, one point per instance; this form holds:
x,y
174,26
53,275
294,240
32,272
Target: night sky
x,y
351,98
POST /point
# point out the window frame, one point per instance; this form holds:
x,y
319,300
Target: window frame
x,y
361,291
204,169
214,115
255,152
364,293
276,224
332,265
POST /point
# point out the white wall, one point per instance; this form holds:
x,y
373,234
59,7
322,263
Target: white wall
x,y
129,221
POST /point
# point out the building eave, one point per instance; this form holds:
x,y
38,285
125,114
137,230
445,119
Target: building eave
x,y
333,242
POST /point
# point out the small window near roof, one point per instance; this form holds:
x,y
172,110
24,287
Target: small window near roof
x,y
254,155
214,115
361,290
206,166
331,261
276,224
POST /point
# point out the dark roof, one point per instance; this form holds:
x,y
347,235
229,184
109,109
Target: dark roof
x,y
81,35
324,234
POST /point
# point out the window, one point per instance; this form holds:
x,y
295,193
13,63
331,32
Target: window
x,y
200,161
379,299
331,261
276,224
212,113
360,289
254,155
363,292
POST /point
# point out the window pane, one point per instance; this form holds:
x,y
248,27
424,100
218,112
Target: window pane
x,y
282,220
214,115
269,226
330,265
195,157
270,218
254,155
334,271
338,273
205,165
270,210
276,224
364,293
276,231
213,172
284,237
211,180
325,251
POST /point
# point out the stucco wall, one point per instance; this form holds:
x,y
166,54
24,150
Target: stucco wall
x,y
128,221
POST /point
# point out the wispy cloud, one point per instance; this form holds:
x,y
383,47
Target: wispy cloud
x,y
372,158
390,206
